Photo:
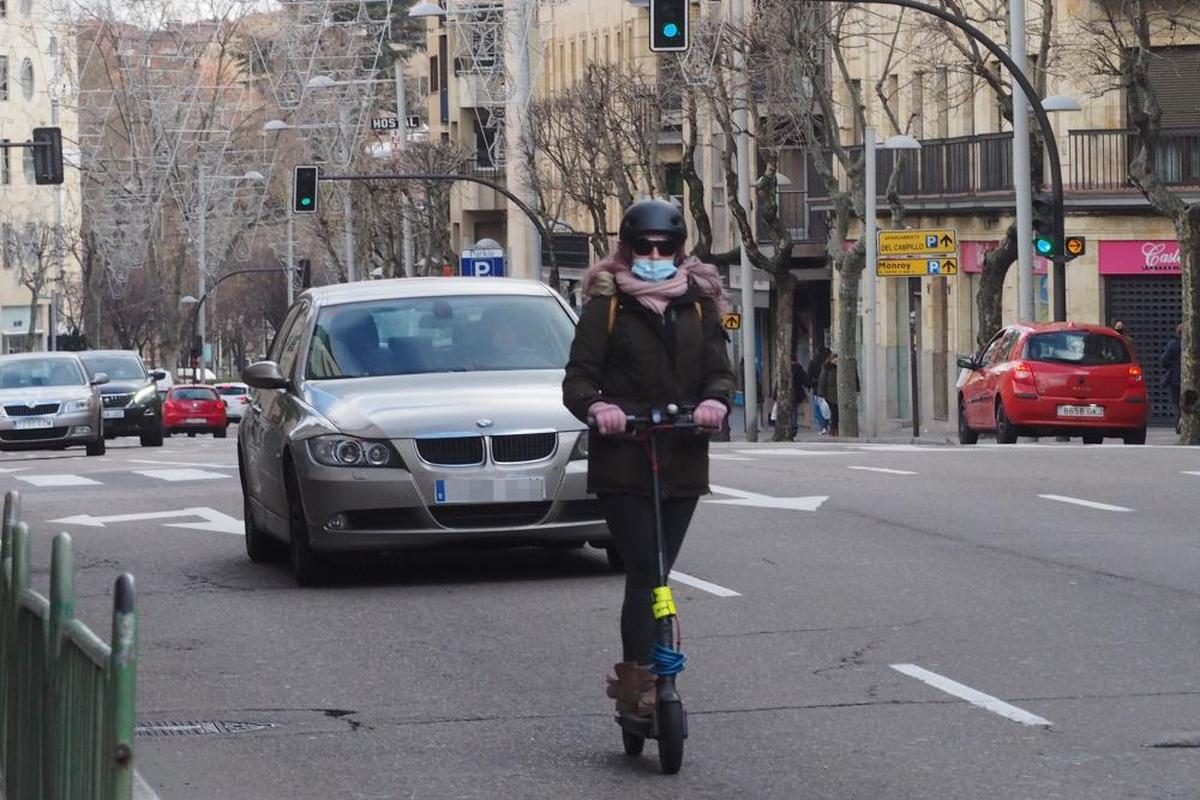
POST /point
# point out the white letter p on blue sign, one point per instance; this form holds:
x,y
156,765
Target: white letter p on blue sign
x,y
482,268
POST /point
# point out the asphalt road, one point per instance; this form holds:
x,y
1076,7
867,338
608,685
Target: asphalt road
x,y
839,669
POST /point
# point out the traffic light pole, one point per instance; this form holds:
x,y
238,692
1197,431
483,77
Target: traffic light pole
x,y
200,307
1043,120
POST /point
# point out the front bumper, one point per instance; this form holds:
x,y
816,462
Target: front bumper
x,y
135,420
393,508
75,428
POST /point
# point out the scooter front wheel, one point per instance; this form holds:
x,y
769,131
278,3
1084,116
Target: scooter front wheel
x,y
633,743
671,734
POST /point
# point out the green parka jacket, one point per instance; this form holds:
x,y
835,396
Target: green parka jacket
x,y
647,361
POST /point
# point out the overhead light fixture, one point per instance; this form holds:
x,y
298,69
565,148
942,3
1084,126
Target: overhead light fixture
x,y
1060,102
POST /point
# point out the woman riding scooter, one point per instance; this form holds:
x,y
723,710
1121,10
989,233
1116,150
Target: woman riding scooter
x,y
649,335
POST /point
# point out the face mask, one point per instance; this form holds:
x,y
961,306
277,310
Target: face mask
x,y
654,269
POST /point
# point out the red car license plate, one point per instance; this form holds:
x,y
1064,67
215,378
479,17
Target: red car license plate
x,y
1081,411
195,421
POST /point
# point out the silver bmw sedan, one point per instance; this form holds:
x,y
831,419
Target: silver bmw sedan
x,y
415,413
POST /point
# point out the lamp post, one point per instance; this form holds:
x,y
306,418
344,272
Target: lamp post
x,y
201,263
870,294
198,312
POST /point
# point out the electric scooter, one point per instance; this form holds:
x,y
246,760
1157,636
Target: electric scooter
x,y
667,723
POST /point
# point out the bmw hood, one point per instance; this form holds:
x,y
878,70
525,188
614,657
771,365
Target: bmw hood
x,y
407,406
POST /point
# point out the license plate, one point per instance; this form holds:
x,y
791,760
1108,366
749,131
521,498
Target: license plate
x,y
114,413
1081,411
32,423
195,421
484,490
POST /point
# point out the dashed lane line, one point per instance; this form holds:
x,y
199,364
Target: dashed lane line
x,y
885,470
703,585
57,480
1191,472
1075,501
972,696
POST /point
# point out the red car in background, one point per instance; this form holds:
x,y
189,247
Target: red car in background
x,y
192,409
1053,379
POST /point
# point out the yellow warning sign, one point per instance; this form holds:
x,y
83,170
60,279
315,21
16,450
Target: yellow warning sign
x,y
908,267
731,321
939,241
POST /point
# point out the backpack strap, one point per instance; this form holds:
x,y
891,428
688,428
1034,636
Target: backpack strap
x,y
612,313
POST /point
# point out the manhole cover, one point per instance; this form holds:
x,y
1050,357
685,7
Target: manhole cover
x,y
199,728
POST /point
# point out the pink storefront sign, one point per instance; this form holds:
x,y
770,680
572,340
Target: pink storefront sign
x,y
972,253
1140,257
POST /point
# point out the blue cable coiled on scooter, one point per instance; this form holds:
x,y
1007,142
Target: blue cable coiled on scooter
x,y
666,660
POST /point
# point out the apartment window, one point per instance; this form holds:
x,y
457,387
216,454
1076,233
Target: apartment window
x,y
574,73
3,75
943,103
607,50
918,105
855,97
620,46
5,164
26,7
27,79
3,8
6,253
434,86
1173,77
968,105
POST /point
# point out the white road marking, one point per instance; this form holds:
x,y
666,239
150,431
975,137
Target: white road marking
x,y
715,457
57,480
175,475
1189,472
10,470
181,463
705,586
213,520
972,696
141,789
755,499
885,470
792,451
1075,501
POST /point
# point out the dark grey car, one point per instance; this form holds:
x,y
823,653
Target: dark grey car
x,y
415,413
131,403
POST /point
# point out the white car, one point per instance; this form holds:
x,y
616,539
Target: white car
x,y
236,397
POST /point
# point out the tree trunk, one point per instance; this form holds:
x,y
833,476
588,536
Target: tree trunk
x,y
1187,227
852,270
990,299
781,346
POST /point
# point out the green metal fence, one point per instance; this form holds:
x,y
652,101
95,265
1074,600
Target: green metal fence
x,y
66,698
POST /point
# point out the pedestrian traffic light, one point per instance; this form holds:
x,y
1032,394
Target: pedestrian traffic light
x,y
1043,225
669,26
304,190
47,156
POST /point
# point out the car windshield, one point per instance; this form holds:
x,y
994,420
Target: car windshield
x,y
1084,348
31,372
116,367
231,390
193,393
469,333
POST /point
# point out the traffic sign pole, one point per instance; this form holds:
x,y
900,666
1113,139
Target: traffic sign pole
x,y
870,291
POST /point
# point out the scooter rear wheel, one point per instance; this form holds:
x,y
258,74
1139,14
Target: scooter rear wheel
x,y
670,737
633,743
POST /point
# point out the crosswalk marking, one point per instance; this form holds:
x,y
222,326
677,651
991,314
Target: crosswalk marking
x,y
57,480
1075,501
884,470
176,475
703,585
972,696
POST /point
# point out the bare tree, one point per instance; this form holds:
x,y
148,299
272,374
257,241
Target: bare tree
x,y
30,250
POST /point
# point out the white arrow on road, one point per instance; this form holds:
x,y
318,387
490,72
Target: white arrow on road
x,y
744,498
213,520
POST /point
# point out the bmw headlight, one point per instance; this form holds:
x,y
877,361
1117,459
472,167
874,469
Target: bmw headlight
x,y
350,451
75,406
580,451
143,394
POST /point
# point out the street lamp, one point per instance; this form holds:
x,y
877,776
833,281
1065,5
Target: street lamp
x,y
426,9
1060,102
198,311
253,176
870,294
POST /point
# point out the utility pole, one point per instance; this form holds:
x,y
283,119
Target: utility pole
x,y
524,244
291,261
347,200
201,274
402,145
59,198
870,288
742,143
1022,171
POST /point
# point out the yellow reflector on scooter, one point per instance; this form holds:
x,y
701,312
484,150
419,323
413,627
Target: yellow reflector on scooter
x,y
664,604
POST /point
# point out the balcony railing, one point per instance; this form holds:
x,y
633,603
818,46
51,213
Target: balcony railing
x,y
1100,159
964,165
795,212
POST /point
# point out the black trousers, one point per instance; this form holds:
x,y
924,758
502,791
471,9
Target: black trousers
x,y
631,521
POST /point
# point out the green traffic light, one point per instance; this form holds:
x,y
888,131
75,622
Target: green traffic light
x,y
670,30
1044,247
306,201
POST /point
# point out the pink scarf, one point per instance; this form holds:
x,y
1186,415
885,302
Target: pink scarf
x,y
657,296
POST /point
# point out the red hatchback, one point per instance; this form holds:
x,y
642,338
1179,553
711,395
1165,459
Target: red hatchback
x,y
1056,379
192,409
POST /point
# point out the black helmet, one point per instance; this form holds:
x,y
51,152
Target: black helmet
x,y
653,216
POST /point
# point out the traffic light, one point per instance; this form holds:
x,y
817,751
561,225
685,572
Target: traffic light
x,y
1044,243
304,190
47,156
668,26
1074,246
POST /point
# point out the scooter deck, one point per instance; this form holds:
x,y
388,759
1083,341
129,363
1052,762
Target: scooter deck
x,y
644,726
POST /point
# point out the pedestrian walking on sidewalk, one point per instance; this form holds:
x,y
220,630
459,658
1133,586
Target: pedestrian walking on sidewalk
x,y
649,335
813,371
1171,363
827,387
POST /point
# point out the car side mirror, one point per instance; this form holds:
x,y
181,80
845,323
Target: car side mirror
x,y
967,362
158,375
265,375
99,379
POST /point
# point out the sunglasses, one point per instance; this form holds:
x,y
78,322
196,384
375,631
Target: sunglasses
x,y
644,247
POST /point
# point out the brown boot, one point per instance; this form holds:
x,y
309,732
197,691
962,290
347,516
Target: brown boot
x,y
634,689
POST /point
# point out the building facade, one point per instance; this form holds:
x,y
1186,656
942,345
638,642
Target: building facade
x,y
38,224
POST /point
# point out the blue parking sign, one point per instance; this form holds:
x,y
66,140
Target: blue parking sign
x,y
482,263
